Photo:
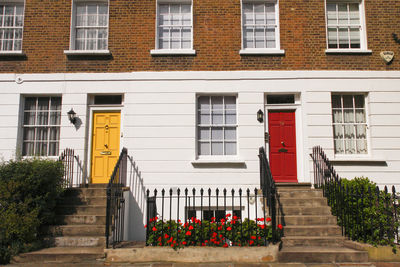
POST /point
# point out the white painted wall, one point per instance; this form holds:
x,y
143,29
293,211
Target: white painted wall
x,y
159,116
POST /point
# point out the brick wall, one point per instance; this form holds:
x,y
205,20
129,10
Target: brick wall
x,y
217,39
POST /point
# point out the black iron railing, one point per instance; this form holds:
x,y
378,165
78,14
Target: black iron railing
x,y
269,191
115,202
73,170
210,217
364,212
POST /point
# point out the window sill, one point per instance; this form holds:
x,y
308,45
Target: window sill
x,y
87,52
341,160
218,161
12,53
348,51
171,52
262,52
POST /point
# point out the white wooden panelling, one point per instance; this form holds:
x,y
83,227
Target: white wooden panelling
x,y
159,120
385,120
319,108
384,108
9,99
386,143
385,131
384,97
156,98
159,132
318,120
161,109
317,97
320,131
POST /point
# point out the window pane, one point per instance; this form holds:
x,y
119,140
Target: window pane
x,y
230,133
248,17
217,148
260,38
53,148
27,149
217,117
230,117
230,148
270,32
359,101
348,115
248,38
230,102
350,146
204,133
344,38
339,146
336,101
337,115
29,134
355,38
354,13
29,118
204,148
55,118
204,118
259,14
332,38
342,14
338,131
348,101
204,103
331,14
216,133
360,116
349,132
362,147
270,13
216,102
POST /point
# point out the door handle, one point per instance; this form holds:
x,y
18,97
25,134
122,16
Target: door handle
x,y
283,143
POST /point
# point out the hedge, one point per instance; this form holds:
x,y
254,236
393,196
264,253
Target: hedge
x,y
28,193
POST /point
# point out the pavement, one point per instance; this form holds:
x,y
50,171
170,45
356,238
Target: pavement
x,y
98,263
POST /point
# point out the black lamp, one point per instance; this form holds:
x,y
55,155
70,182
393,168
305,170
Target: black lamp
x,y
72,116
260,116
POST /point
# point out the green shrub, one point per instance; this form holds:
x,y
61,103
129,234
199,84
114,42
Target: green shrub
x,y
366,213
28,193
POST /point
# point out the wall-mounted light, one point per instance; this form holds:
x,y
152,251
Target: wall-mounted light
x,y
260,116
72,116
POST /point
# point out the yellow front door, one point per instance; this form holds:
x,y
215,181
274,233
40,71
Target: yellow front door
x,y
105,145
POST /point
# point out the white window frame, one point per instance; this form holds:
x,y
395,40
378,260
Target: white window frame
x,y
13,3
251,51
363,32
217,158
183,51
35,126
367,124
72,50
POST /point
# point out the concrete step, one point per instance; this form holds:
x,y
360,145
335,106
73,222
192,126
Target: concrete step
x,y
305,202
293,186
314,254
97,185
323,241
300,210
311,193
313,230
77,241
310,220
85,192
73,200
81,219
81,210
61,255
77,230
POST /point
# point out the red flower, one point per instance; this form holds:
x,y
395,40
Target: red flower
x,y
219,228
251,242
145,226
166,236
228,215
268,219
160,244
214,234
262,226
184,243
220,236
179,221
172,245
156,218
188,233
190,227
235,217
225,245
203,244
253,237
213,219
174,242
222,220
260,219
154,229
229,228
280,226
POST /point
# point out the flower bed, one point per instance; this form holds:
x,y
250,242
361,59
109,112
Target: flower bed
x,y
228,231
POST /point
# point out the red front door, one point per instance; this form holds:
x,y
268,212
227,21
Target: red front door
x,y
282,145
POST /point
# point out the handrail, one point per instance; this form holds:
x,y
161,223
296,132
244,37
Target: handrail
x,y
365,212
268,188
68,158
115,201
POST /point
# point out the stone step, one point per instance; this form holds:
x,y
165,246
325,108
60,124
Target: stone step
x,y
86,192
310,220
81,219
305,202
77,241
81,210
97,185
314,254
293,186
77,230
61,255
311,193
313,230
323,241
73,200
300,210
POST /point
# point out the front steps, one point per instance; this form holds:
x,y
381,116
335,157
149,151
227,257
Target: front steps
x,y
79,235
311,233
